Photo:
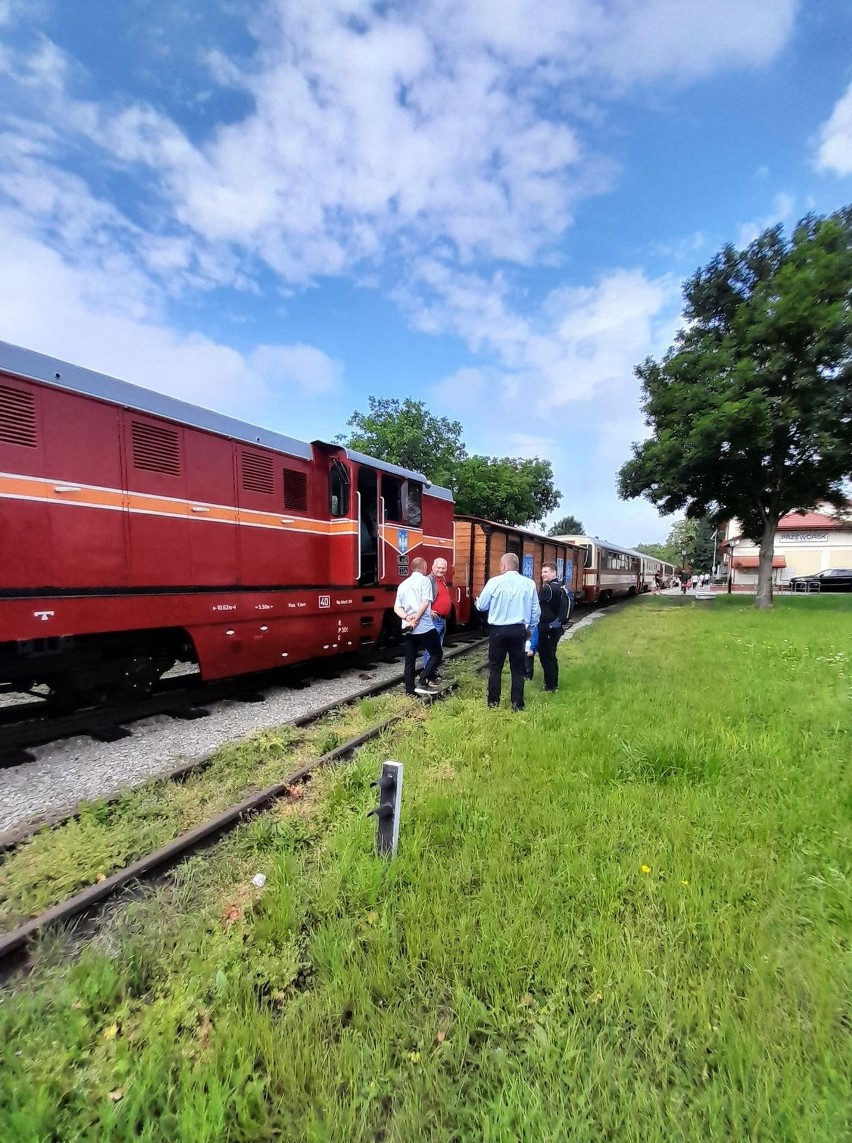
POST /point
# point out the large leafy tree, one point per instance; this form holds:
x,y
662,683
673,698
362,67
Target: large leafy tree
x,y
751,408
567,526
406,433
695,537
509,490
659,551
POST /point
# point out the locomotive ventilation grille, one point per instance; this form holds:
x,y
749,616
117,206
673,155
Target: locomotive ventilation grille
x,y
17,417
156,448
257,473
295,490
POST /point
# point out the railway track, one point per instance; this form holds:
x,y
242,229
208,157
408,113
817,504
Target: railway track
x,y
15,946
26,725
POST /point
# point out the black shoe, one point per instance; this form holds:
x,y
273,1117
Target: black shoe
x,y
494,706
517,709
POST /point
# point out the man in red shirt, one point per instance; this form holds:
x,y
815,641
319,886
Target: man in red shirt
x,y
441,603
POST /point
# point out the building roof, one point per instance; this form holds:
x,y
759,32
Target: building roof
x,y
811,520
754,561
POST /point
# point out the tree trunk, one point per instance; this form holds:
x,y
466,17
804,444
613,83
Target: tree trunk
x,y
763,598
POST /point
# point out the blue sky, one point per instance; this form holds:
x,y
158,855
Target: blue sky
x,y
277,208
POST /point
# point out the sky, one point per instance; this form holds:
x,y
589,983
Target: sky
x,y
276,208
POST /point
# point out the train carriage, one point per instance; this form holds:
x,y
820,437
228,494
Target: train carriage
x,y
650,568
608,570
479,544
138,529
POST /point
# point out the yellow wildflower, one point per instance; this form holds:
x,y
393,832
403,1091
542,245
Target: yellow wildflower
x,y
645,868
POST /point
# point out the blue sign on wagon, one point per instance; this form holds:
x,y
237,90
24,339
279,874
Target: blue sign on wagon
x,y
528,566
560,567
569,572
402,540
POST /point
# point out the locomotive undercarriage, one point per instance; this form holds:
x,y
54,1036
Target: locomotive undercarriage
x,y
93,669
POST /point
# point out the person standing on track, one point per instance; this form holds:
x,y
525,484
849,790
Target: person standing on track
x,y
513,611
414,607
554,611
441,603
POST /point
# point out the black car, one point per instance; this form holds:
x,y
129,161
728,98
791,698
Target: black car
x,y
832,579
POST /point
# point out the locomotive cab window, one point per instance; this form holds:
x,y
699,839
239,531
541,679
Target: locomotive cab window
x,y
338,489
412,503
392,496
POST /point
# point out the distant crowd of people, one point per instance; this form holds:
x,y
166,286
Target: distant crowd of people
x,y
523,621
693,580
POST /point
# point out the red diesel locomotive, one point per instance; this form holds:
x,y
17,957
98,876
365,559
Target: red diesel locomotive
x,y
138,530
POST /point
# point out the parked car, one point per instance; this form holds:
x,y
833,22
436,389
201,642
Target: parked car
x,y
832,579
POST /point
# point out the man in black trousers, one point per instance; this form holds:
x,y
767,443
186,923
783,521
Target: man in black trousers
x,y
553,602
512,605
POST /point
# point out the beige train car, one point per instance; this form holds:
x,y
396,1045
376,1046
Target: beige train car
x,y
479,544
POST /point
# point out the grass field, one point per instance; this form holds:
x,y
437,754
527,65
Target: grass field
x,y
623,915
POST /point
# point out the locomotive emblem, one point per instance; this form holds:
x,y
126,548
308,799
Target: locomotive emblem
x,y
402,540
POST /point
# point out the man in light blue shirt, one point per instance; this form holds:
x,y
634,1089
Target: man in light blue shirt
x,y
511,601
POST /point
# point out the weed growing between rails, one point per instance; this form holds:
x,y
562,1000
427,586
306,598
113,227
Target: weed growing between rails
x,y
620,915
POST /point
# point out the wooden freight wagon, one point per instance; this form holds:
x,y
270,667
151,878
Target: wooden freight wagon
x,y
479,544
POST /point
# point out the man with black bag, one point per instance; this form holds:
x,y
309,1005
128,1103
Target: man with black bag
x,y
555,606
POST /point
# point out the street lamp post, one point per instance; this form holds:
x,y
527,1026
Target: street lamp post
x,y
731,545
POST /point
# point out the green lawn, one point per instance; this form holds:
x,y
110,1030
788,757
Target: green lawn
x,y
623,915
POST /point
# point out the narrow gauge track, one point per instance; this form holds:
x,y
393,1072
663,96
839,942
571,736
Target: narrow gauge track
x,y
15,945
26,725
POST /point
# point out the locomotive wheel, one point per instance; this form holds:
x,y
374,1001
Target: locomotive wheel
x,y
133,677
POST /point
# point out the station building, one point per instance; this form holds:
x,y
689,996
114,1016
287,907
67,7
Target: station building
x,y
806,542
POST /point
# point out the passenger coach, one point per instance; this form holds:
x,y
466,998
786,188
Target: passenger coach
x,y
608,570
139,530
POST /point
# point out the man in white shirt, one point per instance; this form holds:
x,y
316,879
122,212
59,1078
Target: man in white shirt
x,y
511,601
414,607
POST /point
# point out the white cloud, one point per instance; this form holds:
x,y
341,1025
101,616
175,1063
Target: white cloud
x,y
643,39
371,126
783,206
302,365
443,138
835,138
91,316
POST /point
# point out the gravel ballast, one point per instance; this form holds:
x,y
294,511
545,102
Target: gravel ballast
x,y
72,770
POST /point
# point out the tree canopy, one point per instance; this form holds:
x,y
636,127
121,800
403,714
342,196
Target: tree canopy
x,y
406,433
659,551
509,490
695,537
751,408
567,526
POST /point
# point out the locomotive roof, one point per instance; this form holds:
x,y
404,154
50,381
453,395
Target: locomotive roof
x,y
34,366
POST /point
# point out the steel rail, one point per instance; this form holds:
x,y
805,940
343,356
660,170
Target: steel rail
x,y
14,945
12,838
174,698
